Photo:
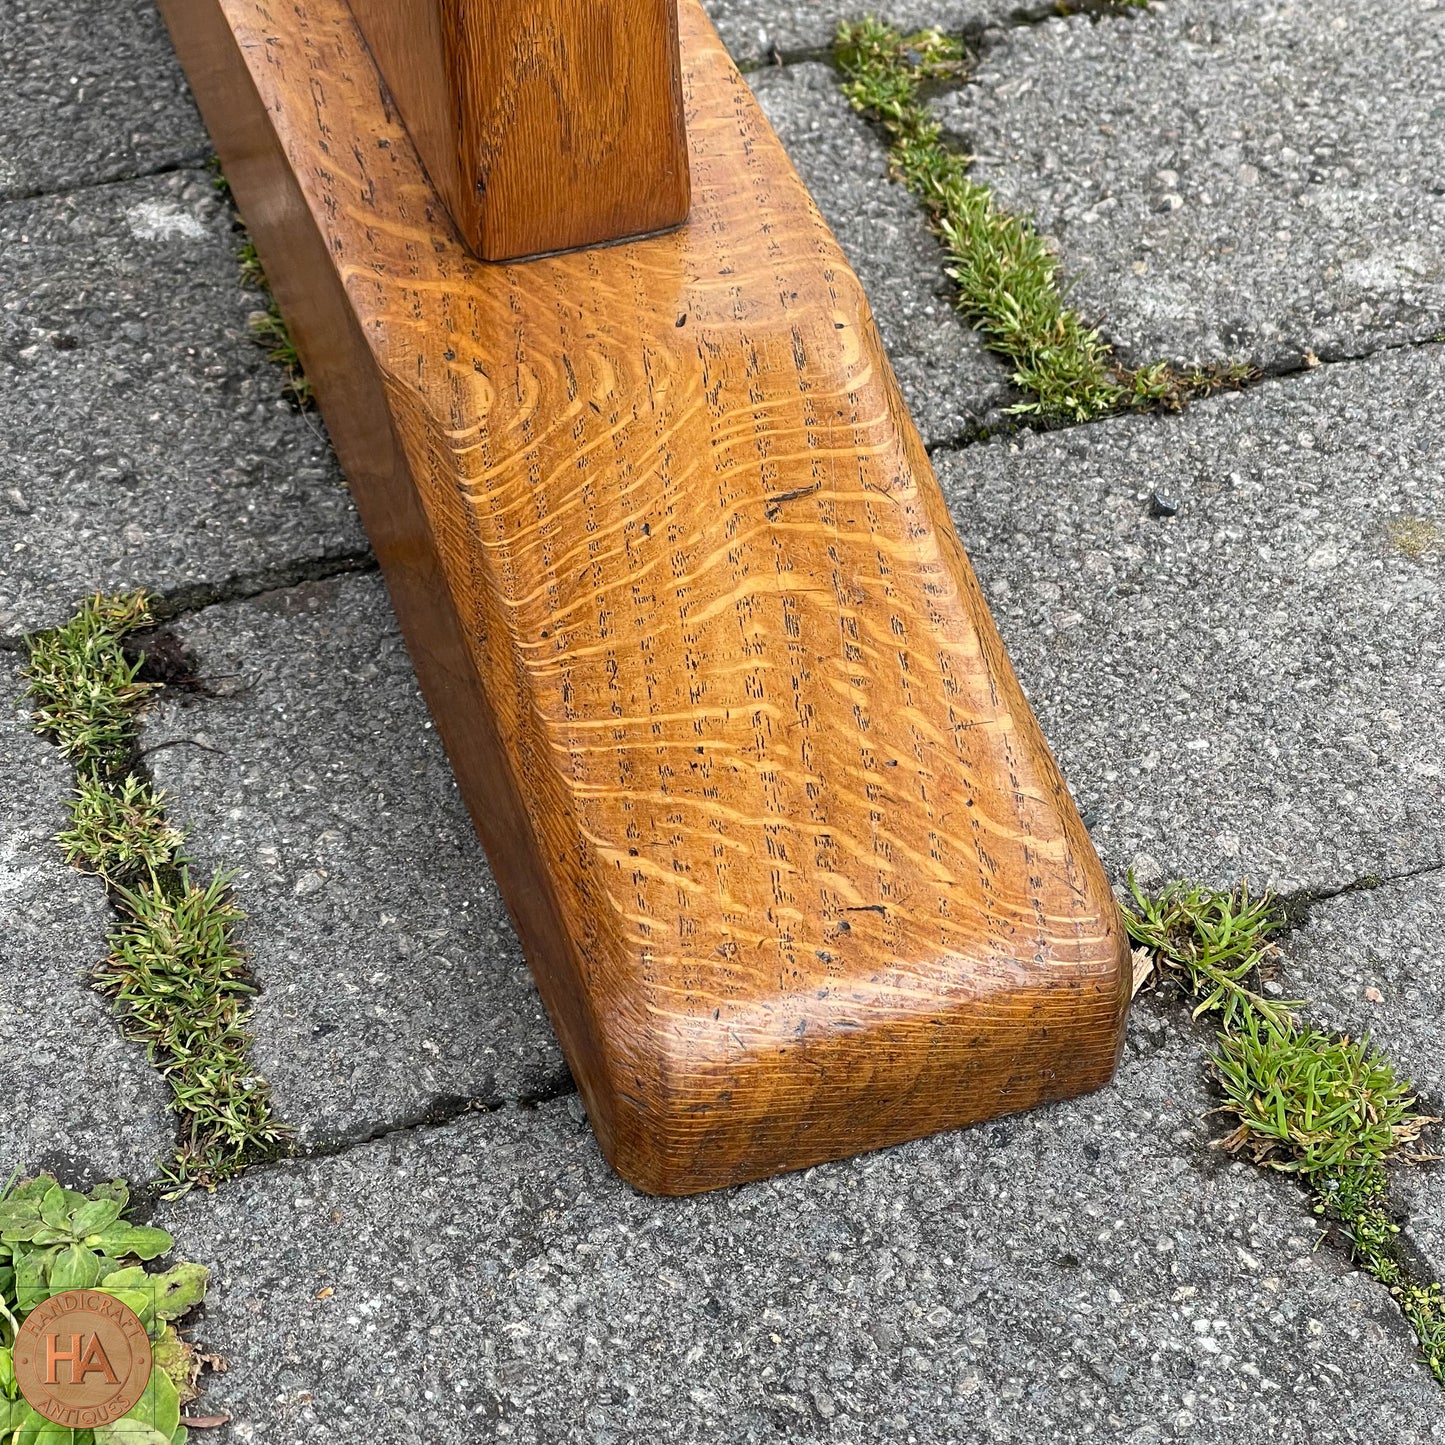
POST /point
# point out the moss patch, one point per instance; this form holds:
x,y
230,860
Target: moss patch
x,y
175,971
1009,283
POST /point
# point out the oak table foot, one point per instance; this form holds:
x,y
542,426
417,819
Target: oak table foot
x,y
793,866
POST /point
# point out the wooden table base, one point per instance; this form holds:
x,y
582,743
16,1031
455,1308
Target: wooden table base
x,y
794,868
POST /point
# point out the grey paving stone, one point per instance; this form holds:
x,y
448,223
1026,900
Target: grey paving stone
x,y
89,92
1229,177
1093,1270
145,437
1253,686
74,1096
754,29
951,383
1370,964
394,987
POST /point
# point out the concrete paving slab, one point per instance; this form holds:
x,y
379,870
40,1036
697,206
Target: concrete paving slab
x,y
1253,685
1370,962
952,385
146,438
1090,1271
77,1098
756,30
394,988
88,93
1257,178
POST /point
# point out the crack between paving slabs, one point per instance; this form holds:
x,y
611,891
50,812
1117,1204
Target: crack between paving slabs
x,y
1299,905
972,33
440,1115
185,601
1279,373
1157,387
175,975
192,161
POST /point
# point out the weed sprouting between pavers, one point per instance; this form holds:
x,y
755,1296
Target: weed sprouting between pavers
x,y
268,326
1327,1108
1007,278
54,1239
174,971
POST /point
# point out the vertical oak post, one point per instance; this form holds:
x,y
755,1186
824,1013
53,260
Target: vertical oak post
x,y
545,124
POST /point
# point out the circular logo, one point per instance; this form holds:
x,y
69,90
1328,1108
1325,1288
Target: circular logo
x,y
82,1359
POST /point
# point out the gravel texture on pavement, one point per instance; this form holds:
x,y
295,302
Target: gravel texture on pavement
x,y
1089,1271
90,91
1251,178
1228,621
393,987
146,439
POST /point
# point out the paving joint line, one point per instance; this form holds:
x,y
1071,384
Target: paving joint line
x,y
193,161
1279,373
440,1115
186,601
1299,906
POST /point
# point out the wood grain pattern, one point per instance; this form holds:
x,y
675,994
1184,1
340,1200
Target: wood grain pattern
x,y
544,124
793,866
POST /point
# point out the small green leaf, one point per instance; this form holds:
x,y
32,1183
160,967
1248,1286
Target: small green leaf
x,y
74,1268
19,1214
140,1240
130,1431
133,1287
21,1222
9,1417
180,1289
31,1279
7,1373
29,1427
58,1205
159,1408
93,1216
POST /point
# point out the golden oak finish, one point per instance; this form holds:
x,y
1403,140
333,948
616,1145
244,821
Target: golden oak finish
x,y
792,863
545,124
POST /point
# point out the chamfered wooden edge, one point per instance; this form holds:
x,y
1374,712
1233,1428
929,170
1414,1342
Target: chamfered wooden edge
x,y
680,1101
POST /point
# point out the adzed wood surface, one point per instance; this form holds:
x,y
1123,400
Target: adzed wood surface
x,y
795,871
544,124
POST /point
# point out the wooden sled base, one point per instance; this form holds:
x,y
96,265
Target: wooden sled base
x,y
793,866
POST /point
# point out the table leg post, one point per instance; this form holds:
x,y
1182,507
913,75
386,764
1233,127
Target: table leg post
x,y
546,125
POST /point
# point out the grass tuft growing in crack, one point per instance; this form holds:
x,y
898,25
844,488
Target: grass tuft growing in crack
x,y
175,972
1327,1108
1008,280
267,326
